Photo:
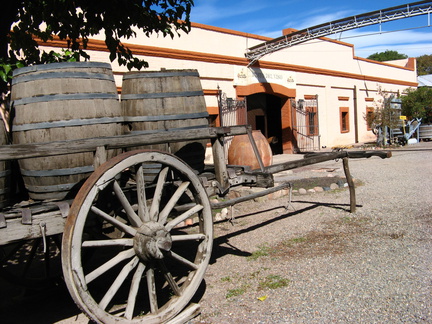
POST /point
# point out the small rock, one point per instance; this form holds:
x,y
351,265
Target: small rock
x,y
275,195
334,186
217,217
233,194
302,191
311,190
285,192
224,213
318,189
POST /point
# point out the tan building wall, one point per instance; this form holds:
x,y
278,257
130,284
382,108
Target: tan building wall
x,y
324,69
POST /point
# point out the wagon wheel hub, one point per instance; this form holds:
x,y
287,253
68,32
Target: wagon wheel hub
x,y
151,241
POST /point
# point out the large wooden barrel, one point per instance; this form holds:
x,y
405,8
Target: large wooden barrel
x,y
241,151
5,169
62,101
158,101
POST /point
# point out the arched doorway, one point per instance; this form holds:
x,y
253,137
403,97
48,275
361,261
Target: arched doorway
x,y
273,102
264,114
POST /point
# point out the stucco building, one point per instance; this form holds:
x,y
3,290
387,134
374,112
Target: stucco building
x,y
304,97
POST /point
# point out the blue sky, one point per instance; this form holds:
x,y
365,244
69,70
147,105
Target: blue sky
x,y
410,36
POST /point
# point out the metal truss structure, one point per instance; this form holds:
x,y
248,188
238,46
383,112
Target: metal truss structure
x,y
371,18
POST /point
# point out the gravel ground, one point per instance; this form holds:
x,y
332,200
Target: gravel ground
x,y
311,263
322,264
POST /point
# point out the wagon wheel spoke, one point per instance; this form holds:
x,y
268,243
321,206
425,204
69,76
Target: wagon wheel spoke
x,y
169,278
184,261
114,242
143,211
154,209
136,280
132,216
109,295
109,265
123,227
171,203
190,237
170,225
151,289
146,266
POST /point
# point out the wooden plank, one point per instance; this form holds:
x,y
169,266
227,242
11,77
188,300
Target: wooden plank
x,y
20,151
232,202
314,158
16,231
221,171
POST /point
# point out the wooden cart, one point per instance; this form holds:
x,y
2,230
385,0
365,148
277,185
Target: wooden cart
x,y
126,254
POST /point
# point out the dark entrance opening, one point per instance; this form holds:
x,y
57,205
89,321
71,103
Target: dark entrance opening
x,y
264,114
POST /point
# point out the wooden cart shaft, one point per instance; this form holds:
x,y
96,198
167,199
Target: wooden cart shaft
x,y
52,221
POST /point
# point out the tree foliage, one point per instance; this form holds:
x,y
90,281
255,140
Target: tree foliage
x,y
384,116
417,103
387,56
22,22
424,65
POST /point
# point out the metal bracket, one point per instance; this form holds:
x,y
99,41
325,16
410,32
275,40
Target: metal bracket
x,y
64,208
26,216
42,226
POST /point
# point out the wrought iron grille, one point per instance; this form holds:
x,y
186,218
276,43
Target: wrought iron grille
x,y
305,125
232,112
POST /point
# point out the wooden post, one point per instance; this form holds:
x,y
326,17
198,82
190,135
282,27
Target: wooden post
x,y
221,171
350,185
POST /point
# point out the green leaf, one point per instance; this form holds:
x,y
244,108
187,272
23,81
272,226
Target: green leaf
x,y
76,26
3,76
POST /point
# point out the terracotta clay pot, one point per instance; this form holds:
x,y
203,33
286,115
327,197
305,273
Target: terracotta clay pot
x,y
241,152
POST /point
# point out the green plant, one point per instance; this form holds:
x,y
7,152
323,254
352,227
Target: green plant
x,y
273,282
6,69
255,274
384,117
236,291
263,250
64,56
226,279
298,239
417,103
388,55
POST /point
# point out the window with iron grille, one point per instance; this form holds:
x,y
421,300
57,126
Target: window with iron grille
x,y
312,121
344,119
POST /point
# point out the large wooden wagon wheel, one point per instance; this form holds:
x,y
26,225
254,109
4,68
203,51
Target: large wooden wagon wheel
x,y
144,266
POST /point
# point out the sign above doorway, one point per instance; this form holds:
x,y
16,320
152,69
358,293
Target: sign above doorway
x,y
250,75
